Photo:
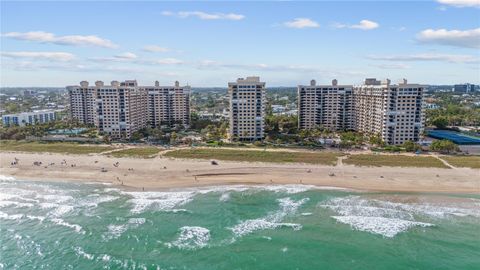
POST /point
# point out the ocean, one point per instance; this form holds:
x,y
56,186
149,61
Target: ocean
x,y
52,225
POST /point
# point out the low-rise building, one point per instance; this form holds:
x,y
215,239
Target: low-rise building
x,y
29,118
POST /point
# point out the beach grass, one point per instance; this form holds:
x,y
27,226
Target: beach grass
x,y
326,158
463,161
52,147
393,161
140,152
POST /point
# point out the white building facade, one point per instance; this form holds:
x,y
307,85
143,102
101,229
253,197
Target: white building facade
x,y
394,112
326,106
247,109
168,105
29,118
122,108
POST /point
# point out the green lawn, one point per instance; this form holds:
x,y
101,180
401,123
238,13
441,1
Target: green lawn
x,y
463,161
54,147
327,158
141,152
393,161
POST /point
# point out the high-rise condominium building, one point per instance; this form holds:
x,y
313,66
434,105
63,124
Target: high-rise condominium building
x,y
82,103
120,109
327,106
247,109
168,105
391,111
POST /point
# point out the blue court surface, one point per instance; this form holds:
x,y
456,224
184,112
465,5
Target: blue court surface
x,y
453,136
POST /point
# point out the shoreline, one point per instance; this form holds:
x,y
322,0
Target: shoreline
x,y
162,173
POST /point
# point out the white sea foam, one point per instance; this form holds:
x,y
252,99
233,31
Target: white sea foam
x,y
115,231
224,197
159,201
191,237
55,198
94,200
6,178
81,253
62,222
39,218
271,221
251,225
136,221
359,206
111,190
105,258
15,204
288,188
388,227
6,216
61,210
390,218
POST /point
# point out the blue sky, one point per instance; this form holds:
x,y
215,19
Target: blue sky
x,y
59,43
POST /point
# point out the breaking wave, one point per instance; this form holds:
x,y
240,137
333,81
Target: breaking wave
x,y
389,218
274,220
191,237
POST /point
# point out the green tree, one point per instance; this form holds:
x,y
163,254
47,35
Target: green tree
x,y
411,146
444,146
440,122
376,140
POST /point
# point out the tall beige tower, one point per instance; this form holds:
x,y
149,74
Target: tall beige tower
x,y
327,106
394,112
82,103
247,109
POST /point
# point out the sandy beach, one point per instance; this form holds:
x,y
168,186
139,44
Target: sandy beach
x,y
163,173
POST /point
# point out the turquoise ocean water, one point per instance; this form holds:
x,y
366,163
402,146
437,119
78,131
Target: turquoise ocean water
x,y
47,225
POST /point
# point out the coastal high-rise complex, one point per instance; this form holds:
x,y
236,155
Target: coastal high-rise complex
x,y
327,106
247,109
168,105
82,103
120,109
391,111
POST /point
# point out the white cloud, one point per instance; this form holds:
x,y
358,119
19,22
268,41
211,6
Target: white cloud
x,y
72,40
134,59
205,16
291,69
301,23
392,66
460,3
451,58
50,56
466,38
168,61
362,25
155,48
126,55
